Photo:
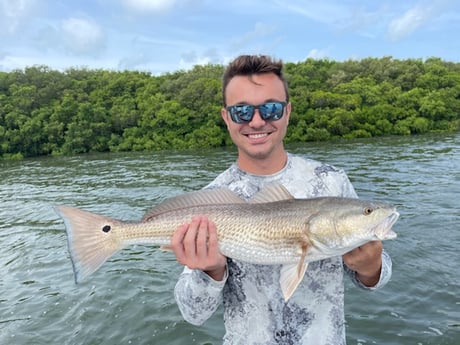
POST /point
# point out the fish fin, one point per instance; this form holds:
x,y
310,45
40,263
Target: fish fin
x,y
91,239
272,193
166,248
292,275
203,197
290,278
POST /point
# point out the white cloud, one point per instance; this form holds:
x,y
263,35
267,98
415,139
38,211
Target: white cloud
x,y
435,14
323,12
363,18
133,61
253,37
11,62
409,22
188,64
83,36
318,54
149,6
13,13
192,58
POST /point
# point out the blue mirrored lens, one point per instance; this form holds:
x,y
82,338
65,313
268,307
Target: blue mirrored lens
x,y
271,111
244,112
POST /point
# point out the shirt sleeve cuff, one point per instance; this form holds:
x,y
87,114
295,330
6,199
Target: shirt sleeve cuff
x,y
385,274
202,277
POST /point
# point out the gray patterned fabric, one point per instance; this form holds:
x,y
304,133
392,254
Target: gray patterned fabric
x,y
254,309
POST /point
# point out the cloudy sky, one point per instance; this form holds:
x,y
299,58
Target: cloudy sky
x,y
166,35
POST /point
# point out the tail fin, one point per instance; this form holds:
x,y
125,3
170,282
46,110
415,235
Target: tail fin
x,y
90,238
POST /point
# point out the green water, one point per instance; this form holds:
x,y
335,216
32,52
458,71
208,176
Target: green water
x,y
130,299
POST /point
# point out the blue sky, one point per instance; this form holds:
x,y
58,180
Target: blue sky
x,y
166,35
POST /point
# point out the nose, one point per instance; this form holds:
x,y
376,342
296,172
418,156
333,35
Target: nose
x,y
257,120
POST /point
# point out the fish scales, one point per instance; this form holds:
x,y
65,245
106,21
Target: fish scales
x,y
241,233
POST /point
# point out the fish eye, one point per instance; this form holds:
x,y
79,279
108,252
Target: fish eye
x,y
106,228
368,210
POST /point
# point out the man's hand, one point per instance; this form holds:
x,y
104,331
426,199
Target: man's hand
x,y
195,245
366,261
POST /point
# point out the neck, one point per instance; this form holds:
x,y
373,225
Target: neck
x,y
263,165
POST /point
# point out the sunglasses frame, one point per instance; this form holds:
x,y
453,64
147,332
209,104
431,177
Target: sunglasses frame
x,y
266,116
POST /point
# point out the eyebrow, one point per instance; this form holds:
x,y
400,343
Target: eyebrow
x,y
265,101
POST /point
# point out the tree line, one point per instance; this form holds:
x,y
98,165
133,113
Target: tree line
x,y
49,112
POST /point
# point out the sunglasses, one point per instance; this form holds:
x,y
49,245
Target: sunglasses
x,y
269,111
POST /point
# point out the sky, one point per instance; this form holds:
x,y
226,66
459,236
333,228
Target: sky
x,y
160,36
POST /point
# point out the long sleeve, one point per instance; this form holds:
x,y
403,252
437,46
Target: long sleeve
x,y
197,295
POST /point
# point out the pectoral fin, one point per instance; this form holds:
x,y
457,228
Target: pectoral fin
x,y
292,275
290,278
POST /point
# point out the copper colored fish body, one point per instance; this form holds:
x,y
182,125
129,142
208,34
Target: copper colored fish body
x,y
272,229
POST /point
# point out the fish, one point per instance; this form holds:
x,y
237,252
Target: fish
x,y
273,228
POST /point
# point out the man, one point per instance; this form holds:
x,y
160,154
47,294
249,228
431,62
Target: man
x,y
256,112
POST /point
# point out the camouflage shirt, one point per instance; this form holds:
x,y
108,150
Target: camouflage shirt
x,y
254,309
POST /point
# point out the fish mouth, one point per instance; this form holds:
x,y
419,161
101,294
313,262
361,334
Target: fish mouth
x,y
383,231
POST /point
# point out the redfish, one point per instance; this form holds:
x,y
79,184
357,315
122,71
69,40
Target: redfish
x,y
271,229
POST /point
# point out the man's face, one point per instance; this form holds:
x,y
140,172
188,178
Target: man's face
x,y
257,139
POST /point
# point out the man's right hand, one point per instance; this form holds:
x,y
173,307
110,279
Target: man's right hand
x,y
195,245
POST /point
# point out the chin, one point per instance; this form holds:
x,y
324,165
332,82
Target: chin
x,y
258,154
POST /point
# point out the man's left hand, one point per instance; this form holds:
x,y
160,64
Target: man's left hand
x,y
366,261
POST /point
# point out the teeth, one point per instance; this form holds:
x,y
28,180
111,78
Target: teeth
x,y
256,136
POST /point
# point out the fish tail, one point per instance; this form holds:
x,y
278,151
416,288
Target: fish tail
x,y
91,239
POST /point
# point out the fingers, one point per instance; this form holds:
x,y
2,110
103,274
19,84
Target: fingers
x,y
196,245
189,241
213,246
366,260
371,250
177,241
364,253
201,239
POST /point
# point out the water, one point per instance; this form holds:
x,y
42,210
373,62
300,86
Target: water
x,y
130,300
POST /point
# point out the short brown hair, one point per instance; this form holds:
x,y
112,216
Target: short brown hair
x,y
248,65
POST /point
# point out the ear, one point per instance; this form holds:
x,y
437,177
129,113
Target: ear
x,y
224,114
288,111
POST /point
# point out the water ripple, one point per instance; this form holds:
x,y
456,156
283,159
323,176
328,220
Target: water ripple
x,y
130,299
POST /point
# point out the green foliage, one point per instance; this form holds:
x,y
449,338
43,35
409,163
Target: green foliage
x,y
47,112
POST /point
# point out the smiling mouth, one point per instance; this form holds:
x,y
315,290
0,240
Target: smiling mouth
x,y
257,135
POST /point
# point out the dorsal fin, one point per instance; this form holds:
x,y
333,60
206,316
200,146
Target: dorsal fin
x,y
202,197
271,193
